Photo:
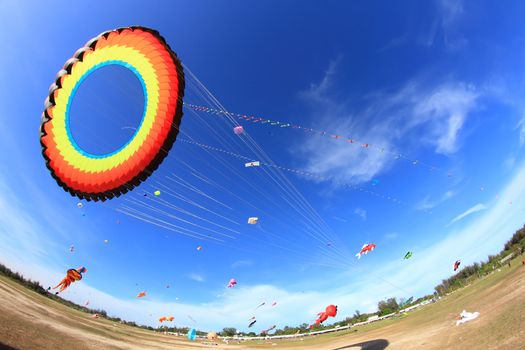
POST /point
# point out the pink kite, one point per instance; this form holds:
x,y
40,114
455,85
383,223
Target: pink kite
x,y
232,283
456,264
238,130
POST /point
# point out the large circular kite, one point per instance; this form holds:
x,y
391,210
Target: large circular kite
x,y
99,177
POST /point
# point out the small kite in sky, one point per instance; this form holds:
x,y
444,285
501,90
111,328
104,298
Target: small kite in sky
x,y
252,323
261,304
106,241
252,164
367,247
86,303
238,130
141,295
71,276
72,249
199,248
80,205
408,255
232,283
162,319
274,303
170,318
156,193
253,220
456,264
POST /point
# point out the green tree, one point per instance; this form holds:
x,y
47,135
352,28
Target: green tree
x,y
229,331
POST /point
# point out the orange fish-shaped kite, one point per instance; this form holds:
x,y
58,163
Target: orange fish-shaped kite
x,y
141,295
367,247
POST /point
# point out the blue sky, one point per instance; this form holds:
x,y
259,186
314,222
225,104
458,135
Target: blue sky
x,y
439,82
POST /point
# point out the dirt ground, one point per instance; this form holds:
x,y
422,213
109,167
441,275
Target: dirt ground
x,y
31,321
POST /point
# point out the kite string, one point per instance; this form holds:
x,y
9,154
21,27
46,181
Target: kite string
x,y
287,187
352,141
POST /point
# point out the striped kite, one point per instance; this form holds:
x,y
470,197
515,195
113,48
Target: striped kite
x,y
99,177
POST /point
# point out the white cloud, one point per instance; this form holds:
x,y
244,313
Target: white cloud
x,y
451,10
241,263
445,109
521,128
474,209
412,119
317,92
196,277
360,212
391,235
509,162
444,26
427,203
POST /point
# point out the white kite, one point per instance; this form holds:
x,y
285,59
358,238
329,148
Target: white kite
x,y
250,164
253,221
465,316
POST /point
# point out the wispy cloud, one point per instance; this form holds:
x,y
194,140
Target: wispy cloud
x,y
317,91
451,10
521,129
196,277
415,117
391,235
428,203
474,209
241,263
444,26
445,110
361,213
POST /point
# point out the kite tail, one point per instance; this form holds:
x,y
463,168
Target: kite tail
x,y
63,284
358,255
